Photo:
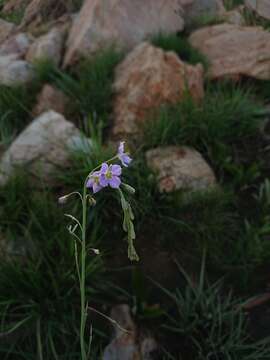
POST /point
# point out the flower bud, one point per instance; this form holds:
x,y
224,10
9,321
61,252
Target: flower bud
x,y
92,201
63,199
129,189
95,251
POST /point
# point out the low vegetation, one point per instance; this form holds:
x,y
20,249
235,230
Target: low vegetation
x,y
201,319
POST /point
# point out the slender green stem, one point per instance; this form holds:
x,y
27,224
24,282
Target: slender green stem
x,y
82,282
83,259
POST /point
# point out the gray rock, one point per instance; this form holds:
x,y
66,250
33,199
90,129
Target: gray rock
x,y
16,45
124,23
260,7
14,72
128,344
235,16
180,168
196,9
42,148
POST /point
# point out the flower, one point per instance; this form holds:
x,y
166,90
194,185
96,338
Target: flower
x,y
110,175
94,182
122,155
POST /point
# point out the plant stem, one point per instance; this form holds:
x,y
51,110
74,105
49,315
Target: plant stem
x,y
82,282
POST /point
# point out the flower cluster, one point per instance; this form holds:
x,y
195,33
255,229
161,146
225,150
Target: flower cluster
x,y
109,175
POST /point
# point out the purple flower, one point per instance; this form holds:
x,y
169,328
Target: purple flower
x,y
110,175
94,182
122,155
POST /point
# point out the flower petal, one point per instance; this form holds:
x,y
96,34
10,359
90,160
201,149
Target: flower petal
x,y
115,182
116,170
96,187
121,148
104,168
103,180
90,183
126,160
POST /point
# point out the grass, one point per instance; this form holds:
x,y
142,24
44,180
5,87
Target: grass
x,y
15,110
225,120
38,289
39,301
203,324
181,47
230,4
89,86
253,19
14,17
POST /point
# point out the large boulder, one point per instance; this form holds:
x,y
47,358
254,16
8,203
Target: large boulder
x,y
180,168
234,51
124,23
42,148
6,29
14,71
49,46
146,79
260,7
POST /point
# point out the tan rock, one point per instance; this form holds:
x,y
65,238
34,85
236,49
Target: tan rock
x,y
234,51
261,7
122,22
180,168
50,98
146,79
49,46
6,29
43,148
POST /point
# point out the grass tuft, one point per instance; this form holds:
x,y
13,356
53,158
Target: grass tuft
x,y
205,325
226,118
181,47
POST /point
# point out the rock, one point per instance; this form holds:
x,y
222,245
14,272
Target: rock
x,y
235,16
16,45
124,23
50,98
48,46
14,72
260,7
12,6
6,29
196,9
180,168
43,148
39,11
234,51
146,79
127,344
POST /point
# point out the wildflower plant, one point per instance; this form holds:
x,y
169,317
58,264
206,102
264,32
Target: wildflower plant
x,y
107,174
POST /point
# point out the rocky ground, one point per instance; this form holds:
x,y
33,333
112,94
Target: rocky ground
x,y
186,83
